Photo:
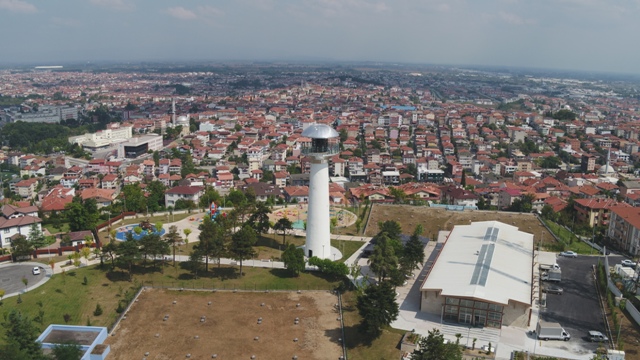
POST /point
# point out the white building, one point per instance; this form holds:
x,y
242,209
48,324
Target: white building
x,y
14,220
482,276
139,145
103,138
186,193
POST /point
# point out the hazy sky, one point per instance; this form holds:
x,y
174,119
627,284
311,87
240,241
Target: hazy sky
x,y
600,35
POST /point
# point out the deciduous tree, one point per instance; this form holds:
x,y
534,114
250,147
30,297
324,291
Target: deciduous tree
x,y
293,258
283,225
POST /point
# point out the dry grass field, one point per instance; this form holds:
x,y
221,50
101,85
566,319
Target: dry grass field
x,y
434,220
230,326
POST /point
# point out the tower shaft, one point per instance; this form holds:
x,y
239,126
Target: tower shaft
x,y
318,241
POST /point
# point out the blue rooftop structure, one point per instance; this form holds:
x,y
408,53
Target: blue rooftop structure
x,y
90,339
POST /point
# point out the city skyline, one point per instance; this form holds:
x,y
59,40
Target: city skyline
x,y
584,35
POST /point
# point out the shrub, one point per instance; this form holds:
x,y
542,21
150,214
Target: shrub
x,y
66,318
85,281
120,307
98,310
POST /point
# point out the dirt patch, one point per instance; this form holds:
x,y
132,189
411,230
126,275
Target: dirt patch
x,y
629,333
434,220
230,326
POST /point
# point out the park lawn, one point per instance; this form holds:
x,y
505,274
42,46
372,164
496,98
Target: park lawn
x,y
228,277
360,346
65,293
346,247
569,239
64,228
269,246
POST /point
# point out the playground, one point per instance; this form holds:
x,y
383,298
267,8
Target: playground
x,y
165,324
298,215
121,232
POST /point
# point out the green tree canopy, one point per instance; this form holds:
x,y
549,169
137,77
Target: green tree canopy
x,y
392,228
36,237
153,246
21,248
383,261
413,253
67,351
82,214
283,224
211,242
523,204
133,198
293,258
128,253
433,348
260,217
173,239
242,243
20,336
550,162
155,200
377,306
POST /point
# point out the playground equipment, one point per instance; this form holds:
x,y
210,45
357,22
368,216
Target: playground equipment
x,y
145,225
214,210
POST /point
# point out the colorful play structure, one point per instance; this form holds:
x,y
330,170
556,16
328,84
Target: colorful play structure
x,y
147,228
214,210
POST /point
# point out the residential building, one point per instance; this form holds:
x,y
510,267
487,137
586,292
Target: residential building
x,y
186,193
26,188
595,212
17,221
624,228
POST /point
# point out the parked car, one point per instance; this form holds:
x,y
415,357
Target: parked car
x,y
628,263
35,270
571,254
552,289
597,336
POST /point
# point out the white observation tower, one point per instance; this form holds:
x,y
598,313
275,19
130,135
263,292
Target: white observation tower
x,y
318,222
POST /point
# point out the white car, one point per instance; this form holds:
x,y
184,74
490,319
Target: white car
x,y
571,254
35,271
628,263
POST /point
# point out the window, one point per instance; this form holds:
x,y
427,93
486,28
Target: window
x,y
480,305
466,303
495,307
452,301
451,313
6,231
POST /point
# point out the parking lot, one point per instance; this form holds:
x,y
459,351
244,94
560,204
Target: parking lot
x,y
577,309
11,277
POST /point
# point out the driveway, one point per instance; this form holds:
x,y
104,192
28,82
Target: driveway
x,y
11,276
